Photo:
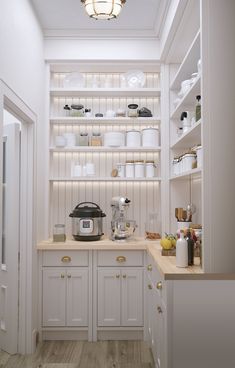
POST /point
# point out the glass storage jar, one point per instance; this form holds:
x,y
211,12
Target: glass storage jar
x,y
96,139
83,139
59,233
152,227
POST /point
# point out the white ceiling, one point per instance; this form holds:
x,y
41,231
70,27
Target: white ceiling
x,y
139,18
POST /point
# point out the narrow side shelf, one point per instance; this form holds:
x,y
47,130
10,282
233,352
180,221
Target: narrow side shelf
x,y
98,92
188,100
187,174
190,138
188,65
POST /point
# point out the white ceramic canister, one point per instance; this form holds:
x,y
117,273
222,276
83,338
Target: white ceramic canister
x,y
70,139
130,169
199,151
176,164
121,170
114,139
133,138
150,137
150,169
139,169
187,161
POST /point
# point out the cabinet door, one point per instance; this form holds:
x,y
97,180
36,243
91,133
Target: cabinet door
x,y
109,290
77,297
159,331
54,293
132,297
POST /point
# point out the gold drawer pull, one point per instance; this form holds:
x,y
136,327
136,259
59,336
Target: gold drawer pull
x,y
159,285
149,267
124,276
62,276
150,286
121,259
66,259
69,276
117,276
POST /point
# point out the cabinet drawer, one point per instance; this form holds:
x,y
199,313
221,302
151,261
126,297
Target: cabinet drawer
x,y
65,258
120,258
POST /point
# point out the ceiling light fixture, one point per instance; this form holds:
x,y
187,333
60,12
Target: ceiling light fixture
x,y
103,9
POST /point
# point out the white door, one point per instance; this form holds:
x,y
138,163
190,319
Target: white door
x,y
77,297
132,297
109,293
10,239
54,296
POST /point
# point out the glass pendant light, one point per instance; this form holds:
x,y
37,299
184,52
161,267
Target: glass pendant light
x,y
103,9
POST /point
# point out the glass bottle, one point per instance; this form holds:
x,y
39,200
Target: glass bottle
x,y
198,108
190,242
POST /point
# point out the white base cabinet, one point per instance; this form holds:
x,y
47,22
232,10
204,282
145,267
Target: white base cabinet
x,y
120,297
65,297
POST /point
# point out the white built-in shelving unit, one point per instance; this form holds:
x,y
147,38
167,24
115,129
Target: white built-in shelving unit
x,y
66,191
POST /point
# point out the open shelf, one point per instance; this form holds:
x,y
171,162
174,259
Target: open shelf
x,y
187,174
112,121
96,179
105,149
98,92
188,65
190,138
188,100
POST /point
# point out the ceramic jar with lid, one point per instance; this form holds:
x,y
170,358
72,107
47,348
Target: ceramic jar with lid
x,y
150,169
133,138
130,169
188,161
139,169
150,137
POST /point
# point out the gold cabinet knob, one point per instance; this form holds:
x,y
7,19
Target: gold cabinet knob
x,y
62,276
149,267
69,276
159,309
66,259
159,285
117,276
150,286
121,259
124,276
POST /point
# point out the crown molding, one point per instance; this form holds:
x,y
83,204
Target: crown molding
x,y
76,34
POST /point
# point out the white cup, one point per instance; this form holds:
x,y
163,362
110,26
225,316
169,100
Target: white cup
x,y
70,139
90,169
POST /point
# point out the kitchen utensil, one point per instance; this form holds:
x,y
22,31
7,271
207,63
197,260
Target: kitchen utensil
x,y
135,78
180,214
121,228
184,215
87,221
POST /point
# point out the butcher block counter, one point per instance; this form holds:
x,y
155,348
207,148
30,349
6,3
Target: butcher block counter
x,y
165,264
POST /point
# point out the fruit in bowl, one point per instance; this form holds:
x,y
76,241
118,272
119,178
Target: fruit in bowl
x,y
168,242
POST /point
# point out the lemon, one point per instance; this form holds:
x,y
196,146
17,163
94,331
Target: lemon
x,y
166,243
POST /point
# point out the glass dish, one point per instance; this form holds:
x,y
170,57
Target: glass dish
x,y
74,79
135,78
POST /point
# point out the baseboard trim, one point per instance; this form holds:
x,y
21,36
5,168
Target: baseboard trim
x,y
120,335
65,335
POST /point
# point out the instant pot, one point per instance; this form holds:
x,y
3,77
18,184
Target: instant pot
x,y
87,221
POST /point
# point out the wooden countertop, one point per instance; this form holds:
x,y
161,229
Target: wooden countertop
x,y
165,264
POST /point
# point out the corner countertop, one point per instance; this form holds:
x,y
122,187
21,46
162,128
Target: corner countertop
x,y
165,264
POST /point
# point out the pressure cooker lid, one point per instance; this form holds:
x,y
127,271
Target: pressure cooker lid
x,y
84,210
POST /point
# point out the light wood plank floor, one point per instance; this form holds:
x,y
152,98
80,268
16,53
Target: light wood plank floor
x,y
82,354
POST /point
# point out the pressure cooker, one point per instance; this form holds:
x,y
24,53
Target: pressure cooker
x,y
87,221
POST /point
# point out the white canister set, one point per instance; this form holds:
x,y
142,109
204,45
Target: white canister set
x,y
136,169
148,137
188,161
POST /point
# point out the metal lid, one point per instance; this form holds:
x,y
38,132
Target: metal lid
x,y
139,162
133,131
150,162
87,211
130,161
150,128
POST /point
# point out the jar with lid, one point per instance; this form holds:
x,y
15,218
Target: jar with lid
x,y
83,139
139,169
188,161
96,139
121,170
150,137
130,169
133,138
152,227
59,233
132,110
150,169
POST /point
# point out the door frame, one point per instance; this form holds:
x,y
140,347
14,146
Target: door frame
x,y
16,106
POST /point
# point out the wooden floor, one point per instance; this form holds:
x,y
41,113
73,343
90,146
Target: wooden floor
x,y
79,354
